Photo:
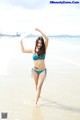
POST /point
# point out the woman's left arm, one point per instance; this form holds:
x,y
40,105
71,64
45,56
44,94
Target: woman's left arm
x,y
45,36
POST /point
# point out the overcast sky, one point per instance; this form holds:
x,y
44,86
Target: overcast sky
x,y
25,15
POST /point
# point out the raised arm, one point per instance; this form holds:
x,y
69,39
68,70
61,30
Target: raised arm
x,y
45,36
23,49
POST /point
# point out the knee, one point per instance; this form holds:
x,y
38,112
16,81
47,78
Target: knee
x,y
39,87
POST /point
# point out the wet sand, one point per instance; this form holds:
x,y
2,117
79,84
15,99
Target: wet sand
x,y
60,97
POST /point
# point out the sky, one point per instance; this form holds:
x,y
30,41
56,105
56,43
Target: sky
x,y
25,15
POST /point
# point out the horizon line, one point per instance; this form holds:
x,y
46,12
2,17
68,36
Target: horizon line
x,y
17,34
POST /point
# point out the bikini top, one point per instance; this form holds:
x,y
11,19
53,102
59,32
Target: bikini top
x,y
36,57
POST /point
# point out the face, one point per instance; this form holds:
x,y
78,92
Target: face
x,y
39,44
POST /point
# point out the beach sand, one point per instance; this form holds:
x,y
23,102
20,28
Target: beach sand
x,y
60,96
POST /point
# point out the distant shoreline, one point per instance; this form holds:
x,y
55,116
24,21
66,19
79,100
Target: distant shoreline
x,y
9,35
31,35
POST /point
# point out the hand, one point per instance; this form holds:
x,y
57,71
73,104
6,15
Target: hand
x,y
23,35
37,29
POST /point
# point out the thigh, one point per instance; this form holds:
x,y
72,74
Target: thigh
x,y
35,76
42,75
41,78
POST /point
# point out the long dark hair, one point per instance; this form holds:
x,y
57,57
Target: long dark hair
x,y
42,50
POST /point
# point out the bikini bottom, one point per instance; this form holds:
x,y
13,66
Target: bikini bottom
x,y
40,71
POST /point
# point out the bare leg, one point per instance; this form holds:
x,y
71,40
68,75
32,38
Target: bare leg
x,y
36,76
39,86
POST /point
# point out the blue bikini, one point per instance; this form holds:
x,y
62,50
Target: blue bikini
x,y
36,57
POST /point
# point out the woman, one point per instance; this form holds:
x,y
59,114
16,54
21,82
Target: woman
x,y
39,69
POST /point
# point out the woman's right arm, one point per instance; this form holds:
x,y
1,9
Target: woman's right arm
x,y
23,49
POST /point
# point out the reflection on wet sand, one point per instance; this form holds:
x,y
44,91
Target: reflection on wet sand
x,y
36,115
50,103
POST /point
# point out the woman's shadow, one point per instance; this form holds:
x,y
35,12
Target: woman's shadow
x,y
51,103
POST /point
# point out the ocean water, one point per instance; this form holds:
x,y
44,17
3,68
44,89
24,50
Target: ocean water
x,y
73,41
